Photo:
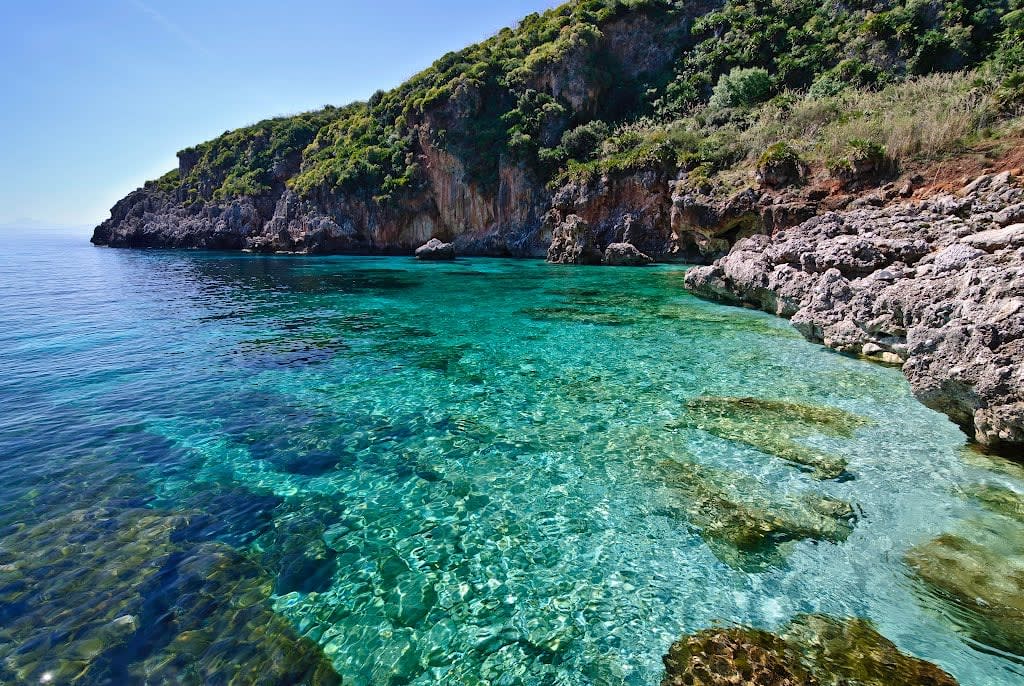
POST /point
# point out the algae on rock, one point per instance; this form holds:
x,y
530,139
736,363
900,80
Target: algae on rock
x,y
812,650
113,596
773,427
744,525
975,579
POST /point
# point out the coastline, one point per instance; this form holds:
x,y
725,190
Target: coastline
x,y
932,286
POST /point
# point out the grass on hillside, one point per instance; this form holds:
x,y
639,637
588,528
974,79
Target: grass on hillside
x,y
924,118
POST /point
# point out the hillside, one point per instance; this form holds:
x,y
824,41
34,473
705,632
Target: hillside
x,y
645,117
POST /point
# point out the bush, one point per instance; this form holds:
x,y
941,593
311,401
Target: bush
x,y
862,160
583,142
741,88
779,153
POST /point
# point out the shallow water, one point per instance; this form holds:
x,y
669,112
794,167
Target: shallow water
x,y
438,473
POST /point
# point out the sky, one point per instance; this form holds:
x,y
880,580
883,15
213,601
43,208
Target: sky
x,y
98,96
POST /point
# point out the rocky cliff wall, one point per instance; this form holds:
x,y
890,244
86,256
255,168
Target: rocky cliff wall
x,y
483,214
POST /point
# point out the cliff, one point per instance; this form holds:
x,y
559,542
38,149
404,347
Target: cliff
x,y
434,158
618,111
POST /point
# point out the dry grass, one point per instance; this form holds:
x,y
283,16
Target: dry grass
x,y
923,118
928,118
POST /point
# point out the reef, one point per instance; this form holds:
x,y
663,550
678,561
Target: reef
x,y
812,650
745,525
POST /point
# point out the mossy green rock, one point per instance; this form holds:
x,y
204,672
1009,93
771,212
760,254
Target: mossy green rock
x,y
975,578
774,427
813,650
745,525
998,499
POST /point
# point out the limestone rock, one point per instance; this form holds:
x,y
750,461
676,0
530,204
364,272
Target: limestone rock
x,y
625,255
935,284
573,242
435,250
997,239
780,166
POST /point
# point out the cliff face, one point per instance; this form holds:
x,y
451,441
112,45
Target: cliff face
x,y
499,212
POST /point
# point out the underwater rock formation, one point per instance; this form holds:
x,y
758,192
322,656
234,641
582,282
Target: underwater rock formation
x,y
975,575
106,595
812,650
773,427
935,286
745,525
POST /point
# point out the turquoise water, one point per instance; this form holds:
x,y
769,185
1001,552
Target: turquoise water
x,y
438,473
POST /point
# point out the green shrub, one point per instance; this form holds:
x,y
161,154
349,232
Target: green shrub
x,y
780,153
861,159
583,142
741,88
168,183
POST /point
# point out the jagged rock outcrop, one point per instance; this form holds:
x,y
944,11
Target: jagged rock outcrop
x,y
937,286
573,241
435,250
633,208
625,255
674,220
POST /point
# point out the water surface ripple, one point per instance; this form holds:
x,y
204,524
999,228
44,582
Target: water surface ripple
x,y
468,473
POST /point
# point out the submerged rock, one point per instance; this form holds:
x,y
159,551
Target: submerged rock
x,y
723,657
772,427
813,650
744,524
436,250
596,316
975,577
934,285
998,499
105,595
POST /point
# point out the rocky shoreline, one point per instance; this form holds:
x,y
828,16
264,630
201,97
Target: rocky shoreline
x,y
936,286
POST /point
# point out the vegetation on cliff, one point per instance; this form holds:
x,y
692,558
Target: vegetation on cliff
x,y
562,97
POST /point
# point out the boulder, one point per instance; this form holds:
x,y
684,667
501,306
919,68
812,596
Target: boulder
x,y
625,255
573,241
435,249
780,166
1011,236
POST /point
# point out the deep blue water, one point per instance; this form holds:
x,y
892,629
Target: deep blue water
x,y
437,473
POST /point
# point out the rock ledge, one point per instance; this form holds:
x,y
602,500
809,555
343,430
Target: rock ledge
x,y
936,285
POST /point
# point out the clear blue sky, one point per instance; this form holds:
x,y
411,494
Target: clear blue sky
x,y
99,95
